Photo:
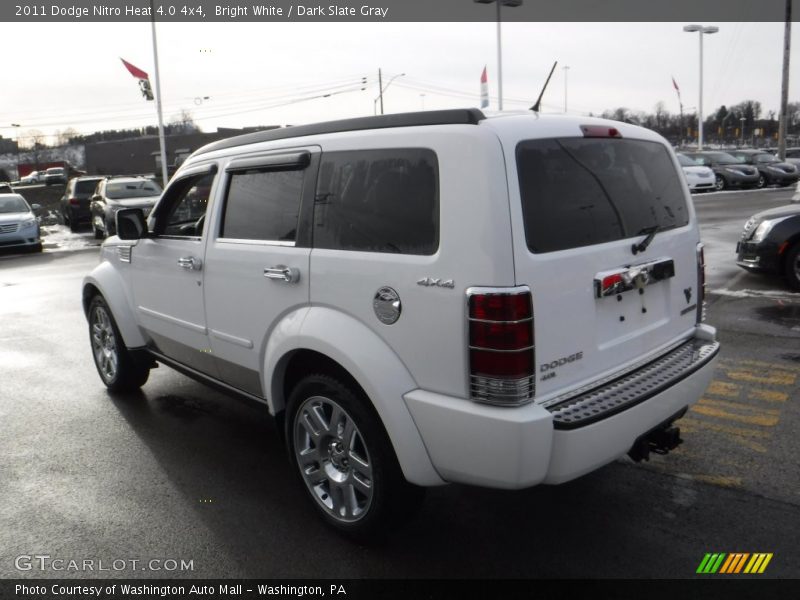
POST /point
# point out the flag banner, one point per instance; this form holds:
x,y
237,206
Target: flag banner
x,y
144,79
484,89
677,89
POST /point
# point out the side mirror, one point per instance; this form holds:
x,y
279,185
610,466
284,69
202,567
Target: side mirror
x,y
36,207
131,224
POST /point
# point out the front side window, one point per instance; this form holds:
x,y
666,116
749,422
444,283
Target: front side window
x,y
184,215
378,201
584,191
263,205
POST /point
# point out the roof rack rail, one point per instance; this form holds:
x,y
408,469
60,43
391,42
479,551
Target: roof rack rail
x,y
458,116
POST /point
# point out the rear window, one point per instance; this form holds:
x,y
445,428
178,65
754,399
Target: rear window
x,y
118,190
86,186
583,191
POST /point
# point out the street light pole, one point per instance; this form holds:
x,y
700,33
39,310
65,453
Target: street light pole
x,y
742,119
510,4
381,89
700,29
566,69
161,141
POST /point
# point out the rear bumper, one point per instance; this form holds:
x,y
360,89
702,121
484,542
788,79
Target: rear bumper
x,y
520,447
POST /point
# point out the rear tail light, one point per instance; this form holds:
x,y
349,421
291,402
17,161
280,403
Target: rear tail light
x,y
600,131
701,284
501,348
74,202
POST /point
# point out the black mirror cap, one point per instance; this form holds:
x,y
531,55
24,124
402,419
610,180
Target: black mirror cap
x,y
131,224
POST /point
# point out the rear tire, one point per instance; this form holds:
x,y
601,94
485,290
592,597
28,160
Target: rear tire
x,y
345,460
762,182
792,266
117,367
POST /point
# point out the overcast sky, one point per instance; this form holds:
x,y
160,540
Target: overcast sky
x,y
63,75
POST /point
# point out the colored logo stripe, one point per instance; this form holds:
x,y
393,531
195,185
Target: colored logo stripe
x,y
734,563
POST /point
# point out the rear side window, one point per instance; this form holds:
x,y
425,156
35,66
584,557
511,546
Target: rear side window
x,y
584,191
263,205
378,201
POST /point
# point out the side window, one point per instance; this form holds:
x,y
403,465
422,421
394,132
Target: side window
x,y
184,215
263,205
378,201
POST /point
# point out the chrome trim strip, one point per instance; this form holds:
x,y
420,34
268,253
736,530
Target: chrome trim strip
x,y
285,243
174,320
226,337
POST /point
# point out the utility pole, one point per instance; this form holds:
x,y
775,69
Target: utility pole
x,y
566,68
787,42
380,88
161,142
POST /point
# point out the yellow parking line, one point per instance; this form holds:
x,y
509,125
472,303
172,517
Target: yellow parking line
x,y
739,406
760,363
773,377
720,480
738,431
761,420
767,395
722,388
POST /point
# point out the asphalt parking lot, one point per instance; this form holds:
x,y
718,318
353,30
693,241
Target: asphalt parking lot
x,y
181,472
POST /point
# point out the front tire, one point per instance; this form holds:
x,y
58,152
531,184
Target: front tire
x,y
792,266
762,182
345,460
720,183
118,369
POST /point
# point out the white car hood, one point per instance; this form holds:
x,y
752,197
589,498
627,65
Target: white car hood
x,y
697,170
14,217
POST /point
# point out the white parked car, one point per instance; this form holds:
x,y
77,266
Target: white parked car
x,y
18,224
32,177
698,177
422,298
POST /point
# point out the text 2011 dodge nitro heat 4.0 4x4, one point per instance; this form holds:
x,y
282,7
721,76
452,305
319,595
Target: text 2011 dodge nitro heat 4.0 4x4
x,y
422,298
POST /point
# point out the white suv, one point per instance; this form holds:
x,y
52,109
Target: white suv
x,y
422,298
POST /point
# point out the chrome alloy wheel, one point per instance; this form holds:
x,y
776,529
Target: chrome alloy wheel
x,y
104,344
333,459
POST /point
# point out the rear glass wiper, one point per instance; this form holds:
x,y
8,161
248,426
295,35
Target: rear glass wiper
x,y
642,246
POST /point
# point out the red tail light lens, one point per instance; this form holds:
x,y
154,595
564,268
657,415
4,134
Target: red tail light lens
x,y
600,131
501,345
74,202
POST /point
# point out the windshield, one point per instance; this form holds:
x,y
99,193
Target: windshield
x,y
722,158
765,159
585,191
117,190
13,204
686,161
85,186
55,171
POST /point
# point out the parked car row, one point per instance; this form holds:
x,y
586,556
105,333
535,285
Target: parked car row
x,y
737,169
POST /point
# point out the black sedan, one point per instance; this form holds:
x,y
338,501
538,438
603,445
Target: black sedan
x,y
75,201
770,243
771,170
728,171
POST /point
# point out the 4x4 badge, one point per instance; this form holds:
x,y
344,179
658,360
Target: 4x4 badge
x,y
688,293
430,281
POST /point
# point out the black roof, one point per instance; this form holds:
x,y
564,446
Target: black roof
x,y
459,116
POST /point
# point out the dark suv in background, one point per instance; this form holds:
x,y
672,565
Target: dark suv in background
x,y
771,170
75,201
114,193
728,171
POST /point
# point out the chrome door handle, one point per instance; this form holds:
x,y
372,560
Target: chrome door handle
x,y
190,262
282,273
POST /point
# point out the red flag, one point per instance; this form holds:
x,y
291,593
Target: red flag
x,y
484,89
135,71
